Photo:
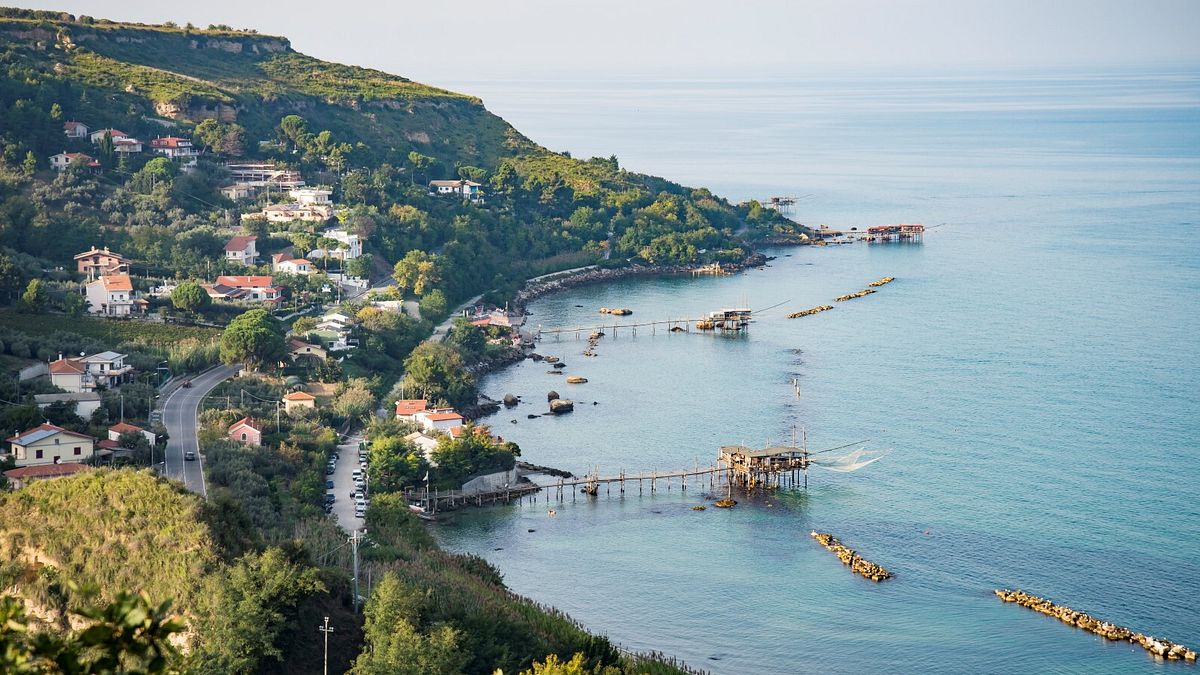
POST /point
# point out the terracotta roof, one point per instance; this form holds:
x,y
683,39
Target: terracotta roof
x,y
299,396
46,470
73,125
239,243
116,282
443,417
116,133
66,367
456,432
124,427
245,281
97,251
411,406
246,422
42,431
106,444
170,142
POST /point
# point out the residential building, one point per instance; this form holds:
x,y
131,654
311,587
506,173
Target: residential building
x,y
127,146
23,476
246,431
75,129
116,135
299,400
286,213
310,196
106,369
351,246
467,189
117,430
242,250
100,263
284,262
298,349
261,174
425,443
112,295
82,403
175,148
50,444
253,288
62,160
440,419
407,409
239,191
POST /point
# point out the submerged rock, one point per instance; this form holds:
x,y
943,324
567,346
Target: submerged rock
x,y
510,400
551,395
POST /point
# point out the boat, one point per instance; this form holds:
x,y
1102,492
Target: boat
x,y
420,512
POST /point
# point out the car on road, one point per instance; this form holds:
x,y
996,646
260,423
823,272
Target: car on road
x,y
328,485
329,470
360,511
187,384
189,456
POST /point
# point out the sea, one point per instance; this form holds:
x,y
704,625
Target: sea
x,y
1034,373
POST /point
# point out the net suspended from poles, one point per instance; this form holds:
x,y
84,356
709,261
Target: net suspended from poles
x,y
851,461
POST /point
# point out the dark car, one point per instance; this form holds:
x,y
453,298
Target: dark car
x,y
330,498
328,485
189,456
187,384
329,470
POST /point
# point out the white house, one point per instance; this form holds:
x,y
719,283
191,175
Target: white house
x,y
50,444
112,295
351,242
255,288
308,196
425,443
407,409
175,148
116,134
117,430
286,213
262,174
467,189
62,160
85,373
242,250
127,146
75,129
441,419
81,403
292,265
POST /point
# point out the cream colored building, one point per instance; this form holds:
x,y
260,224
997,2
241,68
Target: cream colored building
x,y
50,444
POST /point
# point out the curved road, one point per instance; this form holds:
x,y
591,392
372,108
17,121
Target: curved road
x,y
179,411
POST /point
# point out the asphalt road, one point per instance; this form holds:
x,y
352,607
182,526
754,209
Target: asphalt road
x,y
179,411
343,485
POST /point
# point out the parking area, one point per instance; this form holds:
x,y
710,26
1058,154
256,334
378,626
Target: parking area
x,y
343,484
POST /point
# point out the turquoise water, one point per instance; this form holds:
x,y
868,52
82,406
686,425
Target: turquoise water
x,y
1033,369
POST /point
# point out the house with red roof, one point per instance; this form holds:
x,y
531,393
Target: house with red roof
x,y
176,148
242,250
62,160
246,431
22,476
440,419
75,129
299,401
121,428
115,134
98,263
407,409
50,444
86,373
112,295
252,288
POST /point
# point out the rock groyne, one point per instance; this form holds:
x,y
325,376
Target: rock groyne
x,y
850,557
1159,647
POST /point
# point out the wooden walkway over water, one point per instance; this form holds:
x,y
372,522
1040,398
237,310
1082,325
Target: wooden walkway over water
x,y
668,325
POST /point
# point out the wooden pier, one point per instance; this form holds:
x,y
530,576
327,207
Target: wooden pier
x,y
724,320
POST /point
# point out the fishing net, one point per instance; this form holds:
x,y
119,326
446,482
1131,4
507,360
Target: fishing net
x,y
852,461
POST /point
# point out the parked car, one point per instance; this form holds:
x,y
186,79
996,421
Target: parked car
x,y
330,498
328,485
189,456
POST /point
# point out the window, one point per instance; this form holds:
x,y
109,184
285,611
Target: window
x,y
38,455
243,435
78,450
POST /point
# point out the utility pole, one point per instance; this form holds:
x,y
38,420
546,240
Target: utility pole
x,y
354,540
122,395
326,629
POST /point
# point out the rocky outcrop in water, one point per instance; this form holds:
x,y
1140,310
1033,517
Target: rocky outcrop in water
x,y
850,557
561,405
1161,648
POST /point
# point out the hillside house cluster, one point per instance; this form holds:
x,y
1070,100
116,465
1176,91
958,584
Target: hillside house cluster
x,y
251,177
349,246
123,144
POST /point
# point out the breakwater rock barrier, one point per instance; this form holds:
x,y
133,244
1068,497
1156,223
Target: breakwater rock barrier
x,y
1156,646
850,557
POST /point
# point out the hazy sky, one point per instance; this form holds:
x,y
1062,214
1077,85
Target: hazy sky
x,y
448,41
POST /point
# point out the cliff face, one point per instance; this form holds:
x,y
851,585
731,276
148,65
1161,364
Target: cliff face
x,y
189,75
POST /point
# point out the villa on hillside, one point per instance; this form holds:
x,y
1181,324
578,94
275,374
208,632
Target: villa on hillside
x,y
299,400
82,403
438,419
175,148
101,263
467,189
263,174
23,476
50,444
242,250
112,295
117,430
252,288
286,213
75,129
62,160
284,262
86,373
310,196
298,349
407,409
350,246
115,134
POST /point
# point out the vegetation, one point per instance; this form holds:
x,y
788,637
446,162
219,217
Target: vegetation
x,y
254,338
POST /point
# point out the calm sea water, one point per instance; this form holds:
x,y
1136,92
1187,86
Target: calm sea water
x,y
1034,369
